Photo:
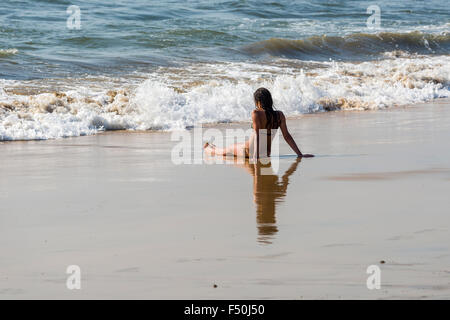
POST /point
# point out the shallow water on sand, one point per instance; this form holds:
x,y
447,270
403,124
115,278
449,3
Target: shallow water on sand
x,y
115,205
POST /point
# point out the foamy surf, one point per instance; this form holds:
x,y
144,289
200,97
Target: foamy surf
x,y
8,52
176,98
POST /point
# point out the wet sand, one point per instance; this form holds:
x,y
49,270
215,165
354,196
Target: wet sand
x,y
141,227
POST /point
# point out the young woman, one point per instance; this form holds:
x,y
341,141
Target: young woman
x,y
263,117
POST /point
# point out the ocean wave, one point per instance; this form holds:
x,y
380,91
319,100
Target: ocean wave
x,y
352,46
176,98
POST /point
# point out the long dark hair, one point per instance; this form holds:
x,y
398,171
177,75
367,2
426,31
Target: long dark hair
x,y
263,96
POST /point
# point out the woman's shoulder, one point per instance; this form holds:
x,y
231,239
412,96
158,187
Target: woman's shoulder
x,y
258,113
280,115
261,114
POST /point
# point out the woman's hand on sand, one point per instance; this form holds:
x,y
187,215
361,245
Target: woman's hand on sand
x,y
305,155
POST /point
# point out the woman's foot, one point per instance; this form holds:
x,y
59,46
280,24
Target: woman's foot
x,y
209,148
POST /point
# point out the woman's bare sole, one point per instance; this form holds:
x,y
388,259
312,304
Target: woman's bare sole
x,y
209,149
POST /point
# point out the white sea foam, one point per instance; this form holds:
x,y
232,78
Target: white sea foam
x,y
7,52
203,93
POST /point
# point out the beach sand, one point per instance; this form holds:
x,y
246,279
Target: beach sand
x,y
141,227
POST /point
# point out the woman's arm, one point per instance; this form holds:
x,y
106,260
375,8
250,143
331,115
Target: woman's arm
x,y
290,141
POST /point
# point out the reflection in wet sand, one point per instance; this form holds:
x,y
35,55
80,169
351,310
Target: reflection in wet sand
x,y
268,191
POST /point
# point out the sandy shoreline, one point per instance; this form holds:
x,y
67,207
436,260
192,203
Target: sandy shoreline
x,y
142,227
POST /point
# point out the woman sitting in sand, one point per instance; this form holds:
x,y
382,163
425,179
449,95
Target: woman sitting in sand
x,y
265,119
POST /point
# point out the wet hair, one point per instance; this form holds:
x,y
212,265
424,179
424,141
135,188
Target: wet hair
x,y
263,96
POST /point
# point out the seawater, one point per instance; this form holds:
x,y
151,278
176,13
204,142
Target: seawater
x,y
165,65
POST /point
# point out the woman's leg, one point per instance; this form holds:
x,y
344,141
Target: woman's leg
x,y
236,150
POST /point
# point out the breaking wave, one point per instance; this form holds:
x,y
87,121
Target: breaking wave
x,y
353,46
178,97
